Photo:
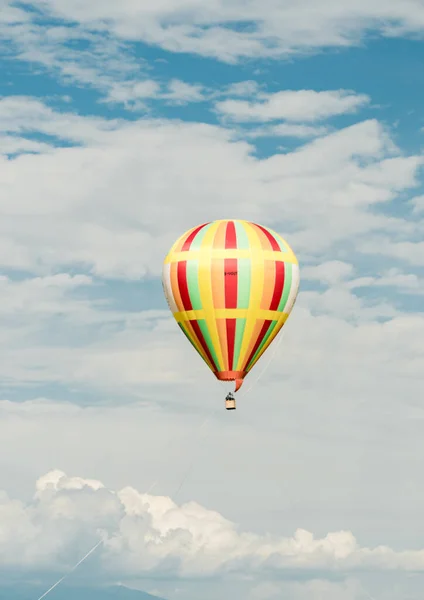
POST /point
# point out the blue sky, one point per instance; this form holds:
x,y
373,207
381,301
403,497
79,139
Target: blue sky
x,y
121,126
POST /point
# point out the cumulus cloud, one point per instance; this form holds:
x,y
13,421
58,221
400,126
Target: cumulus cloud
x,y
143,533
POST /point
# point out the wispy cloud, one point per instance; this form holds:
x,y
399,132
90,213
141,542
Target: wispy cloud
x,y
134,94
217,31
293,105
286,130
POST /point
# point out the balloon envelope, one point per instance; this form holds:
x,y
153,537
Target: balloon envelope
x,y
231,285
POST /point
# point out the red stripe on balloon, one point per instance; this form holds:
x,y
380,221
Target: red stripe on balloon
x,y
190,238
202,342
274,244
278,286
182,284
231,279
230,235
231,337
261,336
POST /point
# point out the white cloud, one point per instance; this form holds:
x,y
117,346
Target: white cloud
x,y
91,45
243,88
132,94
73,53
409,251
180,92
349,590
276,30
49,335
394,278
265,591
328,186
146,533
286,130
293,105
417,204
339,408
104,63
338,299
330,272
10,14
340,302
39,294
72,219
52,331
23,115
13,145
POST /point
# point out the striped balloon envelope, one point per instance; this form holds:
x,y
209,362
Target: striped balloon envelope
x,y
230,285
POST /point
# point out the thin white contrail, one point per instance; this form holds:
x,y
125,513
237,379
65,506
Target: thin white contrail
x,y
152,486
72,570
366,592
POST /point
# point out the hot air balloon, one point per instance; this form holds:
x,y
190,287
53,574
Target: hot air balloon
x,y
230,285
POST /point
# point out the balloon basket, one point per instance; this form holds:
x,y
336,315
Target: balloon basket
x,y
230,402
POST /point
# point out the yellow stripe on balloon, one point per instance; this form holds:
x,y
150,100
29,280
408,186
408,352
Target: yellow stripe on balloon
x,y
192,335
177,245
281,321
227,313
286,245
221,325
285,315
230,253
255,335
174,286
205,288
256,287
